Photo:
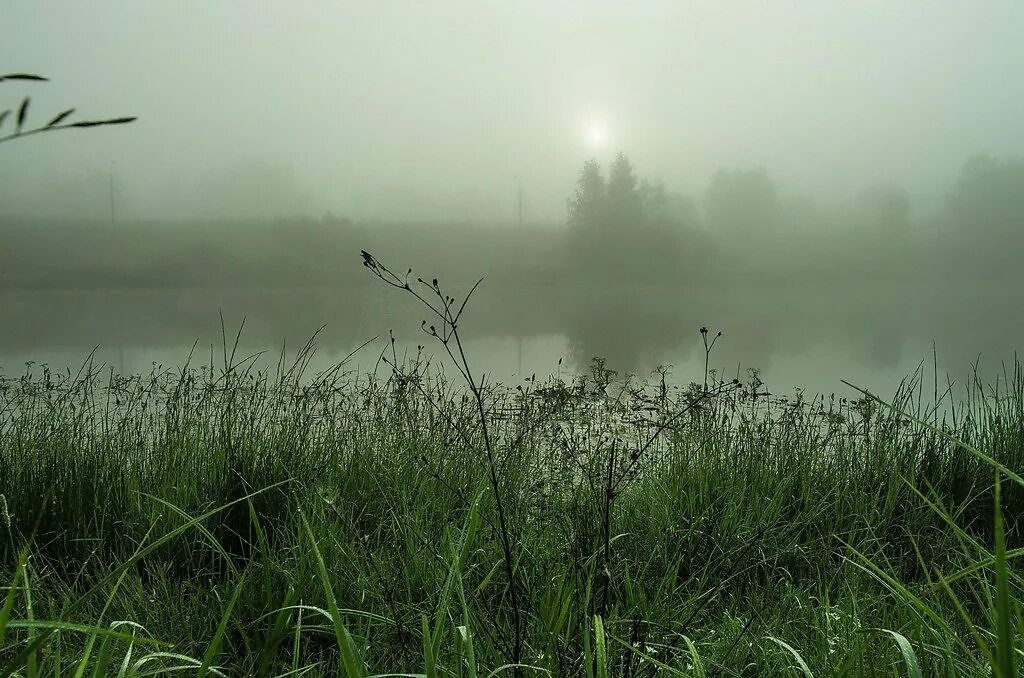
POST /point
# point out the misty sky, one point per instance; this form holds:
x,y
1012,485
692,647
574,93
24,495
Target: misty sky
x,y
417,109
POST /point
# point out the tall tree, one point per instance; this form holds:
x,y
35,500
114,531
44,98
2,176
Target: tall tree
x,y
619,227
624,206
983,218
587,209
742,202
988,197
653,201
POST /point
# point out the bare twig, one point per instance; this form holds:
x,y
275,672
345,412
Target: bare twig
x,y
443,307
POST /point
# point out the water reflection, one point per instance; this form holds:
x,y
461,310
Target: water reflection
x,y
796,335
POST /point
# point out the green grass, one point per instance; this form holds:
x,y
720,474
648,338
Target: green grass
x,y
231,522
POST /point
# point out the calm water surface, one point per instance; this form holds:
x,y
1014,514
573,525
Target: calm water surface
x,y
796,335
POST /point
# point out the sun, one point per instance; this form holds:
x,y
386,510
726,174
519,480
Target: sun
x,y
595,135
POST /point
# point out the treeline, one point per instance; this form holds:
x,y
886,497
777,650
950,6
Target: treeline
x,y
620,229
744,229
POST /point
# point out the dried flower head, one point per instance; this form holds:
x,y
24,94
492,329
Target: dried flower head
x,y
5,516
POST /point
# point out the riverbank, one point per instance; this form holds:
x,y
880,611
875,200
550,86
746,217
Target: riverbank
x,y
258,522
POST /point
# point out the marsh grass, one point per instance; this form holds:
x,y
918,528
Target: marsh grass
x,y
227,520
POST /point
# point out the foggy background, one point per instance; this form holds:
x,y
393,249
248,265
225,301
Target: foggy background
x,y
836,187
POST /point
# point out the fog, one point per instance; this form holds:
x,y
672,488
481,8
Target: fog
x,y
837,187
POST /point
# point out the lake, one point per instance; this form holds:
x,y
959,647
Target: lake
x,y
796,334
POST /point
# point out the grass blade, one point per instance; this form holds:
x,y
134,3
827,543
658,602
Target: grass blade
x,y
600,648
37,642
796,655
1004,630
350,661
5,612
214,648
906,649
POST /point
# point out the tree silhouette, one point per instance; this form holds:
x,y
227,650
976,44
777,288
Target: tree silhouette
x,y
624,205
619,228
988,198
887,210
587,209
54,124
742,202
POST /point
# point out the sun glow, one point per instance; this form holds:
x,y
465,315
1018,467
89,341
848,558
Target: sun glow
x,y
595,135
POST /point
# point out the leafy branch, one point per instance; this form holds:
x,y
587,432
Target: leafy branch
x,y
55,123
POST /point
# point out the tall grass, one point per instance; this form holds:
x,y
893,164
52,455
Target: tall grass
x,y
225,520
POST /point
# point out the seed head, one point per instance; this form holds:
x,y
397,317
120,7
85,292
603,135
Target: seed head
x,y
5,517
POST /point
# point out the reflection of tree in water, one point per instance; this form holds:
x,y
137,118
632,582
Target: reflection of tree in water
x,y
885,347
878,330
629,326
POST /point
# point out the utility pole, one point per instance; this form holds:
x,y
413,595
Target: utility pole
x,y
112,214
519,229
519,201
